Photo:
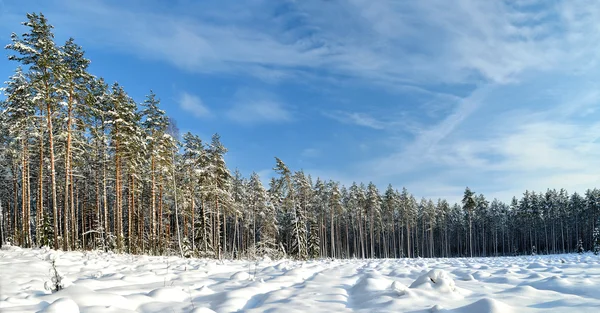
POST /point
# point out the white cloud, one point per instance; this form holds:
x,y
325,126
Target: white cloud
x,y
455,42
254,107
193,104
357,118
311,153
487,45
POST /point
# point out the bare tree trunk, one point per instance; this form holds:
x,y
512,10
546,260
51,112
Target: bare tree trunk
x,y
40,199
193,204
176,210
52,171
159,242
130,209
332,235
153,205
408,248
470,237
104,192
67,174
217,239
24,193
118,217
74,233
15,215
97,221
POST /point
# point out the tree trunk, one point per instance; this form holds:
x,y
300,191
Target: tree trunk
x,y
40,199
118,217
52,172
67,174
153,205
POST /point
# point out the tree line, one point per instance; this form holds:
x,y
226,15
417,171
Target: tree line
x,y
83,166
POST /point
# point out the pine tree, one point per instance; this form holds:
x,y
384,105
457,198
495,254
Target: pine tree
x,y
19,118
264,232
374,209
37,50
75,78
469,205
219,179
283,190
238,206
303,196
155,125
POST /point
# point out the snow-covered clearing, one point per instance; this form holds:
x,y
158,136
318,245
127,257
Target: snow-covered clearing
x,y
105,282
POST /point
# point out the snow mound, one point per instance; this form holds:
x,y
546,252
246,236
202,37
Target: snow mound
x,y
435,279
169,294
62,305
203,310
537,265
240,276
485,305
467,277
536,276
370,283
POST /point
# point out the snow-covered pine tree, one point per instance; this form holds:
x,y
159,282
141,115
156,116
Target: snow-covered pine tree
x,y
238,207
335,210
374,209
218,184
303,197
154,125
319,207
19,117
128,151
283,190
97,104
389,206
469,205
74,78
264,226
37,50
431,221
194,158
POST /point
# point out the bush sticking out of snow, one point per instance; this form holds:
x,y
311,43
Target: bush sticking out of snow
x,y
435,279
56,280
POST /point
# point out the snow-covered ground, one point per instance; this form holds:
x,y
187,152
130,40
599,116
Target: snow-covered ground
x,y
105,282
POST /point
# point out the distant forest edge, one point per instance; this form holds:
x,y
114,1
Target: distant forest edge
x,y
83,166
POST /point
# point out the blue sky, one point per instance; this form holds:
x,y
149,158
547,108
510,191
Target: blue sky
x,y
434,95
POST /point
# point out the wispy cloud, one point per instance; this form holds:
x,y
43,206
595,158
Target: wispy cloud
x,y
254,107
311,152
514,84
193,104
356,118
457,42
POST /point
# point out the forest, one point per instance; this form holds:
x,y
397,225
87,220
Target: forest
x,y
84,166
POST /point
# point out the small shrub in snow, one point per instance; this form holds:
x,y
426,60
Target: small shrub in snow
x,y
56,279
580,247
533,250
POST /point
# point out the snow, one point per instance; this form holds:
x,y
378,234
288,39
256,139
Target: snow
x,y
107,282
